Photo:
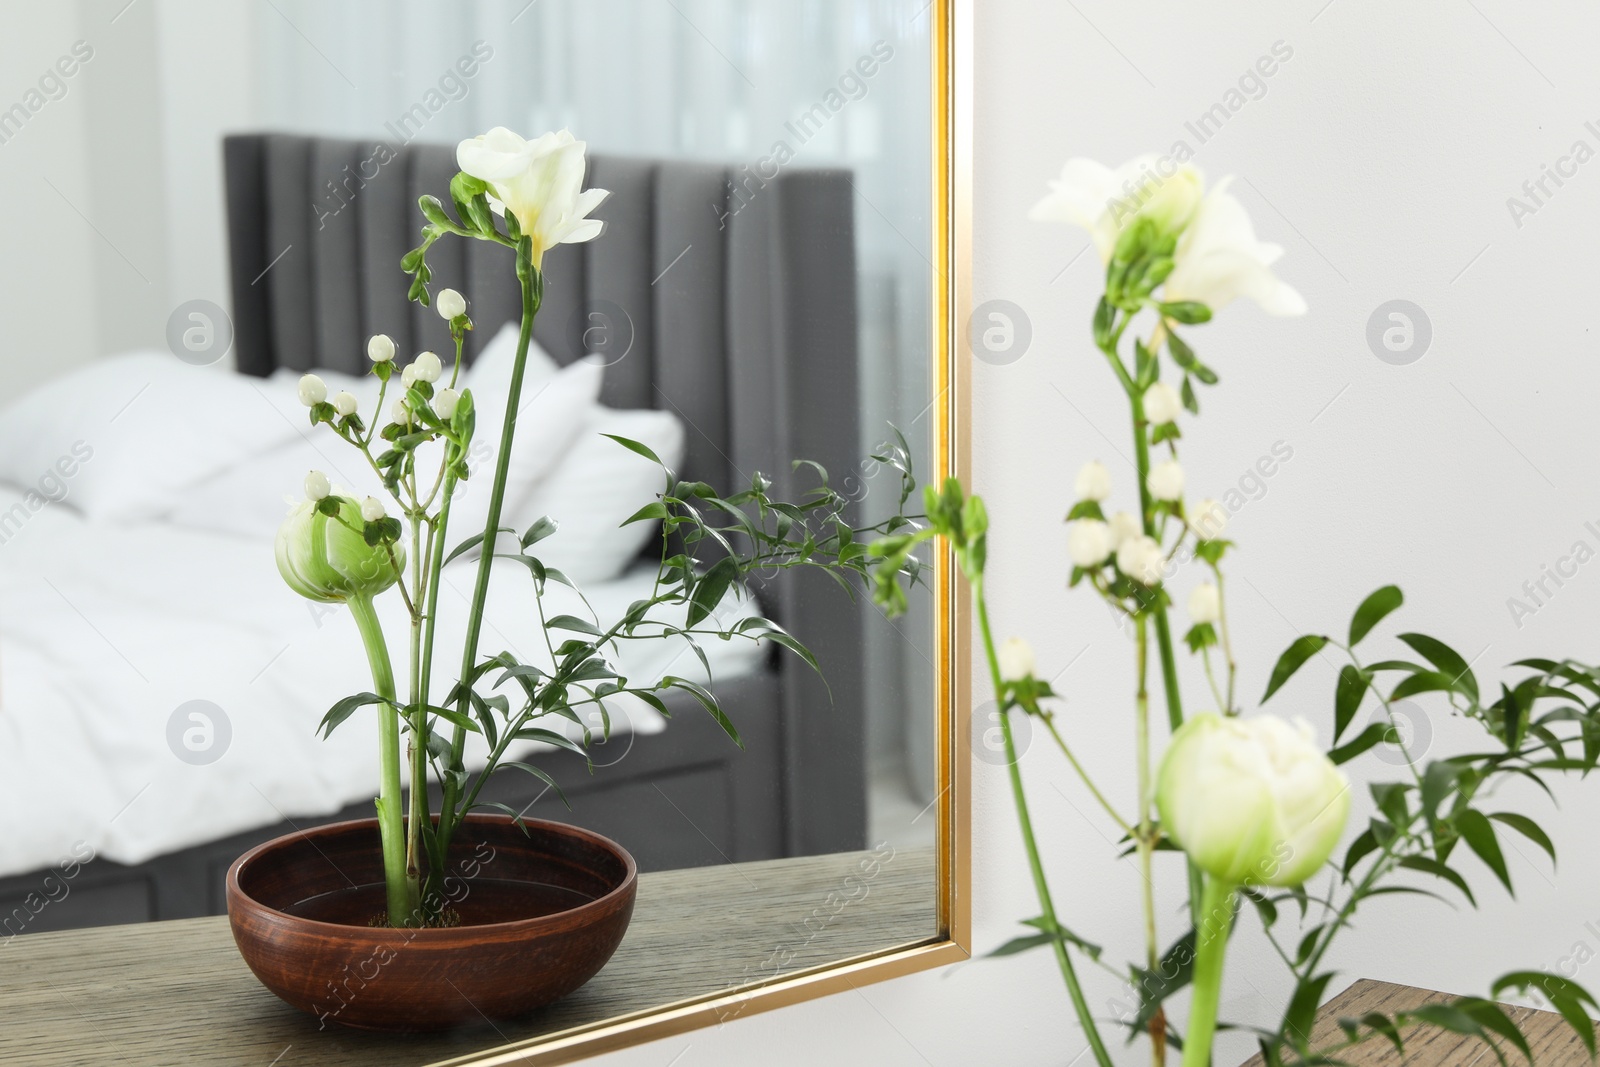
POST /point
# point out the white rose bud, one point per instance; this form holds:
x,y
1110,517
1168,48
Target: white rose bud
x,y
1166,481
313,390
1140,558
1089,543
344,403
372,509
450,304
317,485
1016,660
426,367
1161,403
1124,525
1209,519
1094,481
444,403
400,413
1205,603
380,348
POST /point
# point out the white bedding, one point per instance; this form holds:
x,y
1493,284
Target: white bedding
x,y
105,631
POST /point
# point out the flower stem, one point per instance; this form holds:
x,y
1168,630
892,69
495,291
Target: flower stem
x,y
391,819
1047,907
1211,950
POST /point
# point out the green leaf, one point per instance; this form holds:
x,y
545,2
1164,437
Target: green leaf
x,y
1478,833
470,543
550,737
650,512
1432,866
542,528
1188,312
710,589
1368,738
1049,936
1373,610
1447,659
1086,509
1347,698
1294,657
572,622
1565,995
1527,828
707,701
635,446
343,709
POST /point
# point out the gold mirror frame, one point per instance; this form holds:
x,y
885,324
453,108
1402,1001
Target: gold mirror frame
x,y
952,228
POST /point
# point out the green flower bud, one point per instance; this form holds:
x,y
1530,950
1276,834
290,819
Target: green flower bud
x,y
327,558
1252,801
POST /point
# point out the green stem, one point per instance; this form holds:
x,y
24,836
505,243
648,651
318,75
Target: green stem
x,y
1041,887
1211,950
447,809
417,747
532,289
391,820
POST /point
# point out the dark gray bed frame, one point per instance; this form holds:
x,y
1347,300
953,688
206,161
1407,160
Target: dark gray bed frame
x,y
736,305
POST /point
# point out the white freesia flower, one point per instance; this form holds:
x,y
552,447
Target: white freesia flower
x,y
313,390
1205,603
380,348
1124,525
1166,481
1208,519
1252,801
426,367
539,182
1088,542
1220,260
1140,558
317,485
344,403
1015,657
372,509
1162,403
444,403
1104,201
1093,482
450,304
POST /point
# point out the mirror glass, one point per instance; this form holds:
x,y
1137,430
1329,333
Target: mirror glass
x,y
212,200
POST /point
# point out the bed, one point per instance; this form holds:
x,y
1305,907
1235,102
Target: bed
x,y
730,306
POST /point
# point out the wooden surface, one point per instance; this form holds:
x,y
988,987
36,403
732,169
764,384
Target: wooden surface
x,y
178,992
1553,1042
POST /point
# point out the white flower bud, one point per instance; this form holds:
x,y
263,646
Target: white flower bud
x,y
372,509
1161,403
1124,525
344,403
444,403
313,390
1166,481
426,367
399,412
1015,657
1205,603
380,348
1094,481
1140,558
408,376
450,304
1089,543
1209,519
317,485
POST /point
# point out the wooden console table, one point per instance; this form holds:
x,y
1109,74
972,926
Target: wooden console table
x,y
178,992
1552,1040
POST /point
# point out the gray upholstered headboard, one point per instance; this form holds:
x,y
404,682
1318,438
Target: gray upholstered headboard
x,y
741,301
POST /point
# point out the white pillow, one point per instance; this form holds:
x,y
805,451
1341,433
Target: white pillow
x,y
151,425
248,499
597,486
554,404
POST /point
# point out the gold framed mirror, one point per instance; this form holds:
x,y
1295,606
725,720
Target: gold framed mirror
x,y
782,275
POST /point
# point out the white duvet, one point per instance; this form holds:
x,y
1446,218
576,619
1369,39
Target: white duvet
x,y
106,630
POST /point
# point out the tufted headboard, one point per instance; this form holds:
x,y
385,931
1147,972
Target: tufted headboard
x,y
732,305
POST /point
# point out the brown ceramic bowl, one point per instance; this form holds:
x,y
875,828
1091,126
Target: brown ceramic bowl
x,y
540,914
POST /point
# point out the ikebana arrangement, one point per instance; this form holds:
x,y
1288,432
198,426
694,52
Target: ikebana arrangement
x,y
527,196
1253,804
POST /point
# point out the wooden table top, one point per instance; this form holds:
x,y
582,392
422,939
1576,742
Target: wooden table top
x,y
1552,1040
178,992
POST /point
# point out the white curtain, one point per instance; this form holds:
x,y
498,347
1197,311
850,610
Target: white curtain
x,y
721,80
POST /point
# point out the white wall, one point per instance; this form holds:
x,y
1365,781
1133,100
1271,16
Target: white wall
x,y
1381,156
